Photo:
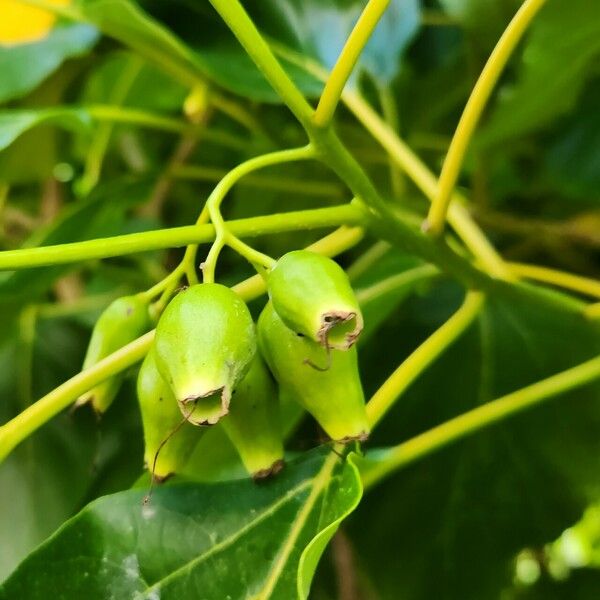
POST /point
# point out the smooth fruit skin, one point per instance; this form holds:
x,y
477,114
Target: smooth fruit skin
x,y
121,322
254,423
160,418
312,295
333,396
205,341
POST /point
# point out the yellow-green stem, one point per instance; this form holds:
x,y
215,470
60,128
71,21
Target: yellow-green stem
x,y
473,110
576,283
480,417
423,356
344,66
425,180
34,416
223,234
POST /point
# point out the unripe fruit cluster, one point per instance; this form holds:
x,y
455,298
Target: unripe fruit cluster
x,y
207,365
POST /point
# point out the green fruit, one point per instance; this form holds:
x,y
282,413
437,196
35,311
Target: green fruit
x,y
312,295
253,424
122,322
334,395
205,341
165,430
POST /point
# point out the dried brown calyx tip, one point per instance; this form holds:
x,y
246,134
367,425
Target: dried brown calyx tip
x,y
208,408
363,436
158,479
339,329
273,470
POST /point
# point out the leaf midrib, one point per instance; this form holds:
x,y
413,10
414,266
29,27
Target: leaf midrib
x,y
269,511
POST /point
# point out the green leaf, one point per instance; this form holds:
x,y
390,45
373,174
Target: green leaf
x,y
25,66
224,540
148,88
222,61
560,54
14,123
515,485
53,472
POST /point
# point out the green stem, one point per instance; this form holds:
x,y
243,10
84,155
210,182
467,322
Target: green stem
x,y
368,294
425,180
480,417
412,165
144,118
367,259
423,357
234,15
177,237
279,184
390,115
335,155
347,60
576,283
223,234
34,416
99,144
473,110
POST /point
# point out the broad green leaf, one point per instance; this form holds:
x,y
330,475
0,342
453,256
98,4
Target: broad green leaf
x,y
14,123
50,476
571,163
225,540
451,524
220,60
560,54
25,66
126,79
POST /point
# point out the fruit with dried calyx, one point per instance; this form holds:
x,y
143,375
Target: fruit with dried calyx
x,y
169,439
254,425
205,341
312,295
333,396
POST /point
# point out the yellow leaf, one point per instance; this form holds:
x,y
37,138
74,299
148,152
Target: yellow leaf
x,y
22,24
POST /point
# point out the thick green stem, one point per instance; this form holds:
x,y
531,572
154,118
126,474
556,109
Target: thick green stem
x,y
480,417
232,12
178,236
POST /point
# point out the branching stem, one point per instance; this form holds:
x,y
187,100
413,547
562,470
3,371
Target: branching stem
x,y
223,235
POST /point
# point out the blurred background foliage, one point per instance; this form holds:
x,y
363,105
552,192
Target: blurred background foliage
x,y
511,512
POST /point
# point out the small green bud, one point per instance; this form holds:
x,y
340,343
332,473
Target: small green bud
x,y
205,341
253,423
334,396
165,430
121,322
312,295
